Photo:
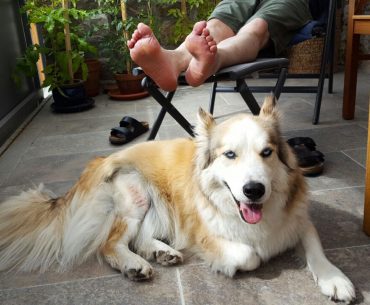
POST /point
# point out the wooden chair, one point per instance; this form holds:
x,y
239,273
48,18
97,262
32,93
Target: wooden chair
x,y
357,25
367,183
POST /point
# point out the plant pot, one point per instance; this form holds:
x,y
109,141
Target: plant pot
x,y
71,98
128,83
92,84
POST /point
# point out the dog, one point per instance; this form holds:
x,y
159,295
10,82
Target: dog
x,y
234,195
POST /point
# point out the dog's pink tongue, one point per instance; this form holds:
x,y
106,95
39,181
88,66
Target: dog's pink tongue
x,y
251,212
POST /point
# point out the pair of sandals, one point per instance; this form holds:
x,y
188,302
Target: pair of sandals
x,y
129,129
310,160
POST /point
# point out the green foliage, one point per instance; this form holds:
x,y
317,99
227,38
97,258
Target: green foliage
x,y
50,16
184,19
114,42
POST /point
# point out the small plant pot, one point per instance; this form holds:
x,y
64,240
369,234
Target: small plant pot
x,y
92,84
71,98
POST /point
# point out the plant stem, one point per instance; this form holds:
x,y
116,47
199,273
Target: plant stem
x,y
125,33
183,7
67,34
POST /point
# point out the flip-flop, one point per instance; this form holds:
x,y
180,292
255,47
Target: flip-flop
x,y
128,130
310,160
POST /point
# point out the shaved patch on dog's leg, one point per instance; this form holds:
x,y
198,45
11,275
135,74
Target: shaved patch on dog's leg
x,y
139,198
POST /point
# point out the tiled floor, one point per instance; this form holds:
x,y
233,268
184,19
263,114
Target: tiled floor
x,y
54,148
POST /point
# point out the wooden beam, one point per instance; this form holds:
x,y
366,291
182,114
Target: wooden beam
x,y
125,33
367,183
35,40
67,34
362,26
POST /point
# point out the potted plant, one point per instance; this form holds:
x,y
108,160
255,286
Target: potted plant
x,y
62,50
117,31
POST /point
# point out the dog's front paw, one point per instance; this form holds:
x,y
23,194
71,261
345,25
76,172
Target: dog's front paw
x,y
252,262
236,256
337,286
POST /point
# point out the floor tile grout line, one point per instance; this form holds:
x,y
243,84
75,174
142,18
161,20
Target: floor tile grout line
x,y
179,284
337,188
62,282
358,163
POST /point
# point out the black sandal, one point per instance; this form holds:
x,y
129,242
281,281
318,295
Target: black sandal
x,y
129,129
310,160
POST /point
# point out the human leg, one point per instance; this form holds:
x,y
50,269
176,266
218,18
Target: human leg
x,y
200,55
162,65
231,49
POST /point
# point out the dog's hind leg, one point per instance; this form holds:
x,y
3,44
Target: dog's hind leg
x,y
331,280
117,253
131,204
156,224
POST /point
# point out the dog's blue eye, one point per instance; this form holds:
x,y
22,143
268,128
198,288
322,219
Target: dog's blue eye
x,y
230,154
266,152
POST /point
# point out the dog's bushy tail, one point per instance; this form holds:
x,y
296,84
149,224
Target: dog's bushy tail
x,y
31,229
38,229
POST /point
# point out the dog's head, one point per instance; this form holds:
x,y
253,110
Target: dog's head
x,y
243,161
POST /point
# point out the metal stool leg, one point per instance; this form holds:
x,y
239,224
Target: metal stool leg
x,y
165,102
247,96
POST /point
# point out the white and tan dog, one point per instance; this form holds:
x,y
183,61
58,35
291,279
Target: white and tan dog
x,y
234,195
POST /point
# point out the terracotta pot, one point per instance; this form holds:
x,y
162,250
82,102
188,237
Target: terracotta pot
x,y
92,84
128,83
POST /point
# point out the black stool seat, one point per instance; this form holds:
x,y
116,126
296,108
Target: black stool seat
x,y
243,70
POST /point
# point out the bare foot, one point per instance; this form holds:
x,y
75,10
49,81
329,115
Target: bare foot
x,y
160,64
203,48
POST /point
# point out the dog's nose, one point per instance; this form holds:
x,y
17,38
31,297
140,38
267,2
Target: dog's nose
x,y
254,190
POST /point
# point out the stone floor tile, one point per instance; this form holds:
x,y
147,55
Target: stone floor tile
x,y
338,216
355,262
77,126
358,155
11,157
104,290
89,270
4,177
283,280
73,144
339,172
54,168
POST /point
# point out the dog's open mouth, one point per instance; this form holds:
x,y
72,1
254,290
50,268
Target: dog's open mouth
x,y
250,212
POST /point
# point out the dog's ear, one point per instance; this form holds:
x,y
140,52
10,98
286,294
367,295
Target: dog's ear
x,y
268,109
203,131
205,121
